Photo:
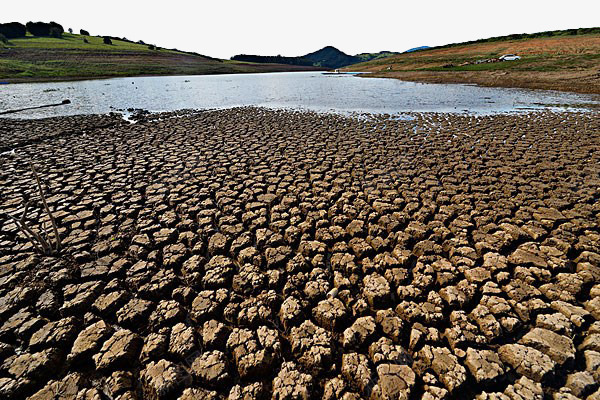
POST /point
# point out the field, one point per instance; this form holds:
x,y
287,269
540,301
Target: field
x,y
258,254
41,59
569,63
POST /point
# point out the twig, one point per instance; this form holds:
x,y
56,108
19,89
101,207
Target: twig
x,y
52,221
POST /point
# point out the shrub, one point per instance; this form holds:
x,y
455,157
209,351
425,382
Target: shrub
x,y
151,47
84,32
107,40
85,40
70,30
13,30
55,32
3,39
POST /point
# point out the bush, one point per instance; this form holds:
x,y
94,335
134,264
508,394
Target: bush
x,y
84,32
85,40
151,47
3,39
107,40
55,32
13,30
70,30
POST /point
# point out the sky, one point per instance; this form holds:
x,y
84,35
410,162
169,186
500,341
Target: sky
x,y
224,28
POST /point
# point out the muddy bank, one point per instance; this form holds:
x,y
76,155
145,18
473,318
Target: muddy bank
x,y
247,253
585,81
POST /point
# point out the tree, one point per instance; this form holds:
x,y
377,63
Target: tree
x,y
55,32
13,30
70,30
43,28
84,32
107,40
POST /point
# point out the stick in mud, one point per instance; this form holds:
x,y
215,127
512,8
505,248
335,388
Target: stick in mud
x,y
64,102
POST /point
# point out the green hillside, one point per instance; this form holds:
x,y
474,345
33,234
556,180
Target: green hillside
x,y
70,57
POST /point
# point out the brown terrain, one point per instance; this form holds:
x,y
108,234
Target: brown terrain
x,y
566,63
257,254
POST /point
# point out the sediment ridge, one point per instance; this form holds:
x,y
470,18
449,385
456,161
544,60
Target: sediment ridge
x,y
252,254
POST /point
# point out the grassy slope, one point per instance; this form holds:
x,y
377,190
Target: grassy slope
x,y
36,58
569,63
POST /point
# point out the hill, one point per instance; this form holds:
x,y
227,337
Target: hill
x,y
328,57
558,60
70,57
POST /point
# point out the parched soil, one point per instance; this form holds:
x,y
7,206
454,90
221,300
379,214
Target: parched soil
x,y
255,254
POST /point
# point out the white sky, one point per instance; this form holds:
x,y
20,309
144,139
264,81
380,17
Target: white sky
x,y
269,27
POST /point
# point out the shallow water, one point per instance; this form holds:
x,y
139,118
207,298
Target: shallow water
x,y
298,90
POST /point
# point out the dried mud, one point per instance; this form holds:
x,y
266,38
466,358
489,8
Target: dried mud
x,y
249,254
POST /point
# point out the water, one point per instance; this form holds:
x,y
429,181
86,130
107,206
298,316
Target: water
x,y
298,90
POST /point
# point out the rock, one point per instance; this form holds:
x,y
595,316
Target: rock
x,y
88,341
390,324
330,314
119,350
484,365
395,382
134,313
168,312
361,331
34,366
210,368
356,370
312,346
155,347
590,342
218,272
252,358
198,393
384,351
58,333
214,334
290,313
446,366
252,391
376,290
160,380
182,341
524,389
65,389
528,361
559,348
291,384
581,383
556,322
119,382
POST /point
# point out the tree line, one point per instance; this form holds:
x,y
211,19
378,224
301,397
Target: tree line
x,y
13,30
273,59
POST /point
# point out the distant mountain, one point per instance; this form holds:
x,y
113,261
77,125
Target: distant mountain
x,y
328,57
417,49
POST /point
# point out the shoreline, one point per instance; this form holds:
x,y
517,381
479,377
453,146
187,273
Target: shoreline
x,y
589,86
248,251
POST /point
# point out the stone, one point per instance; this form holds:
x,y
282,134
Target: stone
x,y
88,341
528,361
376,290
312,345
210,368
182,341
559,348
360,332
330,314
484,365
160,380
119,350
291,384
